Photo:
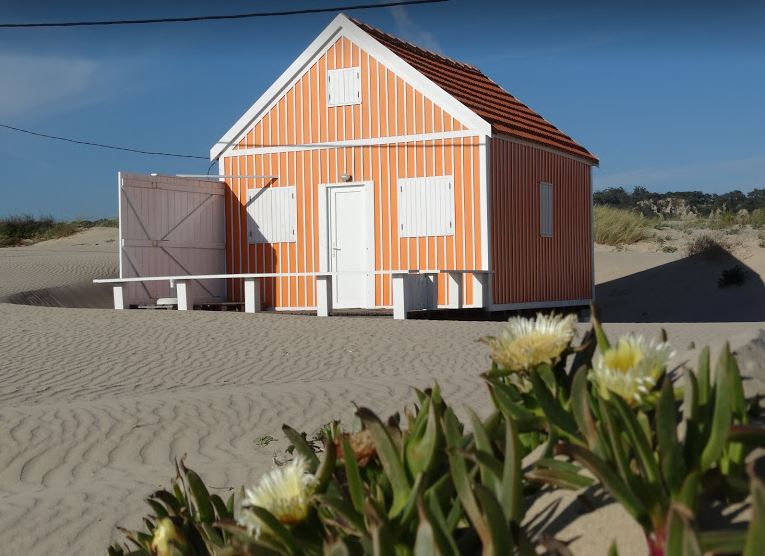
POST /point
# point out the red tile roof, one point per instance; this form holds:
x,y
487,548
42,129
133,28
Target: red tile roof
x,y
471,87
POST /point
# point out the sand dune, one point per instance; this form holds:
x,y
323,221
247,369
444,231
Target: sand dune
x,y
60,272
96,404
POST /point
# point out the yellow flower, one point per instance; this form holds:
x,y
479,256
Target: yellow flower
x,y
631,368
285,492
164,534
525,343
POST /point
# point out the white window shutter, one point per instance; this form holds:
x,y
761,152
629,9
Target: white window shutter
x,y
344,86
426,206
272,215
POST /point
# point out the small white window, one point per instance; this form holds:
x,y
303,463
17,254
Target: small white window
x,y
344,87
271,215
426,206
546,209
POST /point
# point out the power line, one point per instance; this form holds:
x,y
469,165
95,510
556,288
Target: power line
x,y
101,145
215,17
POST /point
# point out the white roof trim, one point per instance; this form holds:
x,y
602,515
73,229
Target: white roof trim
x,y
342,26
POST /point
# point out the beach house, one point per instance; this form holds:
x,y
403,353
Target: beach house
x,y
370,157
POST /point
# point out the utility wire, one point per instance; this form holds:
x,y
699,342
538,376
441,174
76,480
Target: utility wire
x,y
100,145
178,155
215,17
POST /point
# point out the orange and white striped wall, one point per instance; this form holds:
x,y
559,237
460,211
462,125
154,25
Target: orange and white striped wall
x,y
403,127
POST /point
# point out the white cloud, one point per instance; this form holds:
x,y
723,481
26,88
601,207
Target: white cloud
x,y
44,83
407,28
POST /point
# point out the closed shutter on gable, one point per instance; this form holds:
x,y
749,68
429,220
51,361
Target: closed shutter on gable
x,y
344,87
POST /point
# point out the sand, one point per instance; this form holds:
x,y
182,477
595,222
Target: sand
x,y
95,404
60,272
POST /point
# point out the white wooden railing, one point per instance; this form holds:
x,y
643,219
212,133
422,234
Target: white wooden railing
x,y
405,298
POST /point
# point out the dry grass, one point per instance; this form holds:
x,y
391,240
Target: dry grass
x,y
708,245
615,226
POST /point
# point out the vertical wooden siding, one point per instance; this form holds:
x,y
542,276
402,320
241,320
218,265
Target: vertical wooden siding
x,y
389,108
529,267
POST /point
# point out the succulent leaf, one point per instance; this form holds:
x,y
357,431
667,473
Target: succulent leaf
x,y
390,459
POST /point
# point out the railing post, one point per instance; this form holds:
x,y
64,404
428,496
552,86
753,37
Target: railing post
x,y
481,289
183,293
119,296
432,301
323,295
251,295
454,287
400,298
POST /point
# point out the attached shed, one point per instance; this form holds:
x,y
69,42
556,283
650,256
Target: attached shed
x,y
382,156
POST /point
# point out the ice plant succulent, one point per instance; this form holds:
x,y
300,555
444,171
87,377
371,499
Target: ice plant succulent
x,y
285,492
630,368
166,536
362,445
526,343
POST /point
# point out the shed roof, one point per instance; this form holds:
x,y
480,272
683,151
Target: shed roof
x,y
506,114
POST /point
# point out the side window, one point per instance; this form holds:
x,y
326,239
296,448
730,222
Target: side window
x,y
545,209
426,206
271,215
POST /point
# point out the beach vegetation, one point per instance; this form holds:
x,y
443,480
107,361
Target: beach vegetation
x,y
707,245
666,445
615,226
26,229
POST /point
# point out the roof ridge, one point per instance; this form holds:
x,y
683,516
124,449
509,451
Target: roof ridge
x,y
427,51
479,93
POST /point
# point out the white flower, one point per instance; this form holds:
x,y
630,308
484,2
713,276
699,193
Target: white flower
x,y
630,368
525,343
285,492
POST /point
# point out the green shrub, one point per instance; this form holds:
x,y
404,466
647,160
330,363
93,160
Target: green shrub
x,y
615,226
101,222
757,218
16,230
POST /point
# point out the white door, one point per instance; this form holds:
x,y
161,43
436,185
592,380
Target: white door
x,y
348,245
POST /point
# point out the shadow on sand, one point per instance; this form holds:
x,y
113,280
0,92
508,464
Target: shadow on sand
x,y
685,290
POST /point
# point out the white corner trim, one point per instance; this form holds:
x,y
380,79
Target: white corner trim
x,y
119,220
484,167
323,229
342,26
592,232
484,162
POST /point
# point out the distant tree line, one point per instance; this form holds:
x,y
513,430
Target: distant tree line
x,y
701,203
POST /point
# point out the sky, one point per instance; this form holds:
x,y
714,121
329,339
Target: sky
x,y
668,95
